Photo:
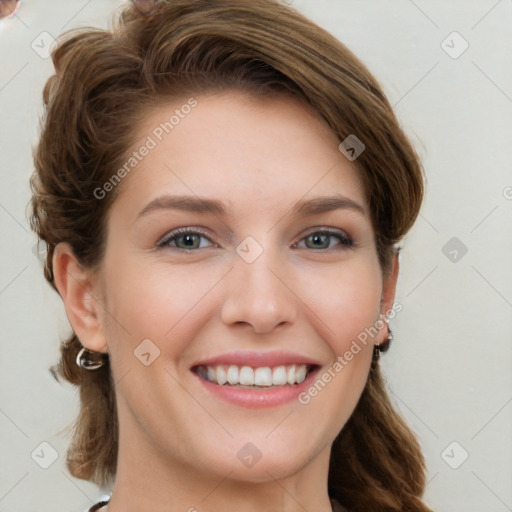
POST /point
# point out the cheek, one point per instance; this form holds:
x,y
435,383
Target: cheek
x,y
158,301
345,300
346,305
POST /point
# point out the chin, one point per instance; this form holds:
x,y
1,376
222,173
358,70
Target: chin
x,y
258,460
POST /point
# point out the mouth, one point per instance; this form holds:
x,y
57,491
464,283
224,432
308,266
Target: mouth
x,y
256,378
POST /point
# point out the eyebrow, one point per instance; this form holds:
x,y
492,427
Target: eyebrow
x,y
203,205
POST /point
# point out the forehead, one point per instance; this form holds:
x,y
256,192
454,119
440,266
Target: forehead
x,y
239,148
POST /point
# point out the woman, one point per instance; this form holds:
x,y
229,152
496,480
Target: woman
x,y
221,187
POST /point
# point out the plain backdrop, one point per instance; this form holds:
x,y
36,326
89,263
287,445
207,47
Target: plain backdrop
x,y
446,68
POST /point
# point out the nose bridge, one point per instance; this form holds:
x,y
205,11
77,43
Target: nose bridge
x,y
259,295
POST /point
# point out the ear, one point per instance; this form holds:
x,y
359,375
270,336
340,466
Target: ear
x,y
388,293
76,288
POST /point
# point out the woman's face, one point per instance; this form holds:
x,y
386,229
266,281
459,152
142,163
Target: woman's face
x,y
257,287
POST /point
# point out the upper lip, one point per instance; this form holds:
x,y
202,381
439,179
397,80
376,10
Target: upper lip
x,y
257,359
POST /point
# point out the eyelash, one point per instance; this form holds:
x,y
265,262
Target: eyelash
x,y
346,241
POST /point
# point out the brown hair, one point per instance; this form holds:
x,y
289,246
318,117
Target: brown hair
x,y
106,80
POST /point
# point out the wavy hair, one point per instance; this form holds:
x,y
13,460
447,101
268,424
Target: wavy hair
x,y
105,80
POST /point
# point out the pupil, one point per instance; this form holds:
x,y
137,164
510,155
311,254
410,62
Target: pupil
x,y
189,240
317,238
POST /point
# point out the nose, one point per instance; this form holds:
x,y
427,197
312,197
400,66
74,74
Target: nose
x,y
259,294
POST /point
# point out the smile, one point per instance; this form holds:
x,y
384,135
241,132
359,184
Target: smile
x,y
255,377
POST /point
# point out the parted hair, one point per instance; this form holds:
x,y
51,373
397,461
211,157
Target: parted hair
x,y
106,79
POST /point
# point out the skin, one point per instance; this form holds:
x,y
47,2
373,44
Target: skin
x,y
178,443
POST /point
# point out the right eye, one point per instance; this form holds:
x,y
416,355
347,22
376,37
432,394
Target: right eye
x,y
189,237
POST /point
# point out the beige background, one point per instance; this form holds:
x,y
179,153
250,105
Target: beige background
x,y
449,369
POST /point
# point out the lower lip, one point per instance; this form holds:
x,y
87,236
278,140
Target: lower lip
x,y
256,398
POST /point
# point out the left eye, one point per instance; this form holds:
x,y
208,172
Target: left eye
x,y
325,235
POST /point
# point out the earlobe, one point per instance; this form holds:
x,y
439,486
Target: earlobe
x,y
76,288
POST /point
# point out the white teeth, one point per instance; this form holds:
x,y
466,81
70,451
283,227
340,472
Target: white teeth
x,y
300,374
221,375
279,376
233,375
247,376
263,376
211,373
291,374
